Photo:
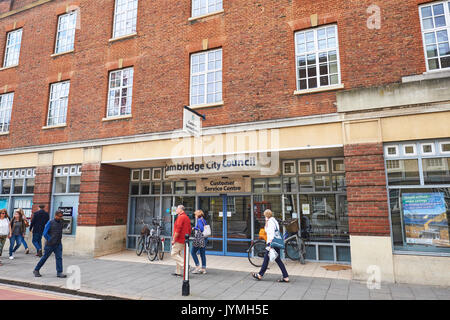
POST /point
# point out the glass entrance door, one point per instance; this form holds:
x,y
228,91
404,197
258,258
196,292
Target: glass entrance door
x,y
230,221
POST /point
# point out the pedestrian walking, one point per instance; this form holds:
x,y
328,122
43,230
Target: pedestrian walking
x,y
53,234
271,228
25,220
199,243
17,229
38,222
181,227
4,230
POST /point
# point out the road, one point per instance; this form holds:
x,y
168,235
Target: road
x,y
8,292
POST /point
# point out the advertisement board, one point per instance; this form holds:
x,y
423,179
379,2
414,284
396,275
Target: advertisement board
x,y
425,218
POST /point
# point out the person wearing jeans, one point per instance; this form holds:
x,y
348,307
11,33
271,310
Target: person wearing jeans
x,y
271,227
17,229
53,235
200,247
38,222
23,241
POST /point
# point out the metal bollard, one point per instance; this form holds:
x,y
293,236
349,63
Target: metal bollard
x,y
185,290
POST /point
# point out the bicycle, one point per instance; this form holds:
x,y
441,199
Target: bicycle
x,y
156,242
295,248
143,240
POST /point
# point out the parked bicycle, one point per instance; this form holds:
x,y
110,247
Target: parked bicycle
x,y
295,248
156,241
143,240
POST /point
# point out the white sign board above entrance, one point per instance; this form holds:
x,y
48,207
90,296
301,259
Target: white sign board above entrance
x,y
219,185
192,122
244,165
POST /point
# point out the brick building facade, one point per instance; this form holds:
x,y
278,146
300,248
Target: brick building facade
x,y
387,90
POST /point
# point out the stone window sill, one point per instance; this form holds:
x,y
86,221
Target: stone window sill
x,y
9,67
207,105
128,116
54,127
128,36
206,15
322,89
4,133
429,75
61,53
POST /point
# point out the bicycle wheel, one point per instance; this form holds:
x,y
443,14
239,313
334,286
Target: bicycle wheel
x,y
160,250
152,251
139,246
256,253
292,249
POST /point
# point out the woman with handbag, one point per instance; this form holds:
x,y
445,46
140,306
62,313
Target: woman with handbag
x,y
199,243
274,242
27,224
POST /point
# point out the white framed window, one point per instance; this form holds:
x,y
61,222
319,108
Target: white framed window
x,y
338,165
427,148
391,151
146,175
435,23
125,18
11,174
156,174
289,168
305,167
120,92
409,149
57,108
135,175
206,77
6,103
394,165
66,171
317,58
16,173
73,170
12,49
29,173
321,166
203,7
445,147
65,34
22,173
79,170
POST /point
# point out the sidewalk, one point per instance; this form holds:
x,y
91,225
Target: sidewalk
x,y
106,277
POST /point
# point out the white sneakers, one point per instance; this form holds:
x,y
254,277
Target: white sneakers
x,y
11,257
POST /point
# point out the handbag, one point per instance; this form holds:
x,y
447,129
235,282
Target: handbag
x,y
277,241
199,240
206,230
273,255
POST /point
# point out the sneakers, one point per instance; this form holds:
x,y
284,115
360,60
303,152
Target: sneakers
x,y
176,274
27,251
11,257
199,271
36,274
61,275
39,253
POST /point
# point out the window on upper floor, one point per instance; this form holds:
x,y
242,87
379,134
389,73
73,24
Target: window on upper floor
x,y
6,103
12,50
120,92
65,35
57,109
435,22
203,7
317,58
206,77
125,18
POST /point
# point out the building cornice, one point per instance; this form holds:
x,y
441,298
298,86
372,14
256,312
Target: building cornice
x,y
236,128
24,8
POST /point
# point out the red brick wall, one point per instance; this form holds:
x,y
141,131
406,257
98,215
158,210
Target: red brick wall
x,y
5,5
43,187
103,195
366,190
257,38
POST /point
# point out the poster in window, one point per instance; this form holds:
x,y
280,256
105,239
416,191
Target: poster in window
x,y
425,219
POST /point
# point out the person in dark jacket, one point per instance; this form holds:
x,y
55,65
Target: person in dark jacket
x,y
38,222
53,234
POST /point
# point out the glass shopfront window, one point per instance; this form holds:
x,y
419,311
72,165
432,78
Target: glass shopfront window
x,y
66,194
419,196
17,188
